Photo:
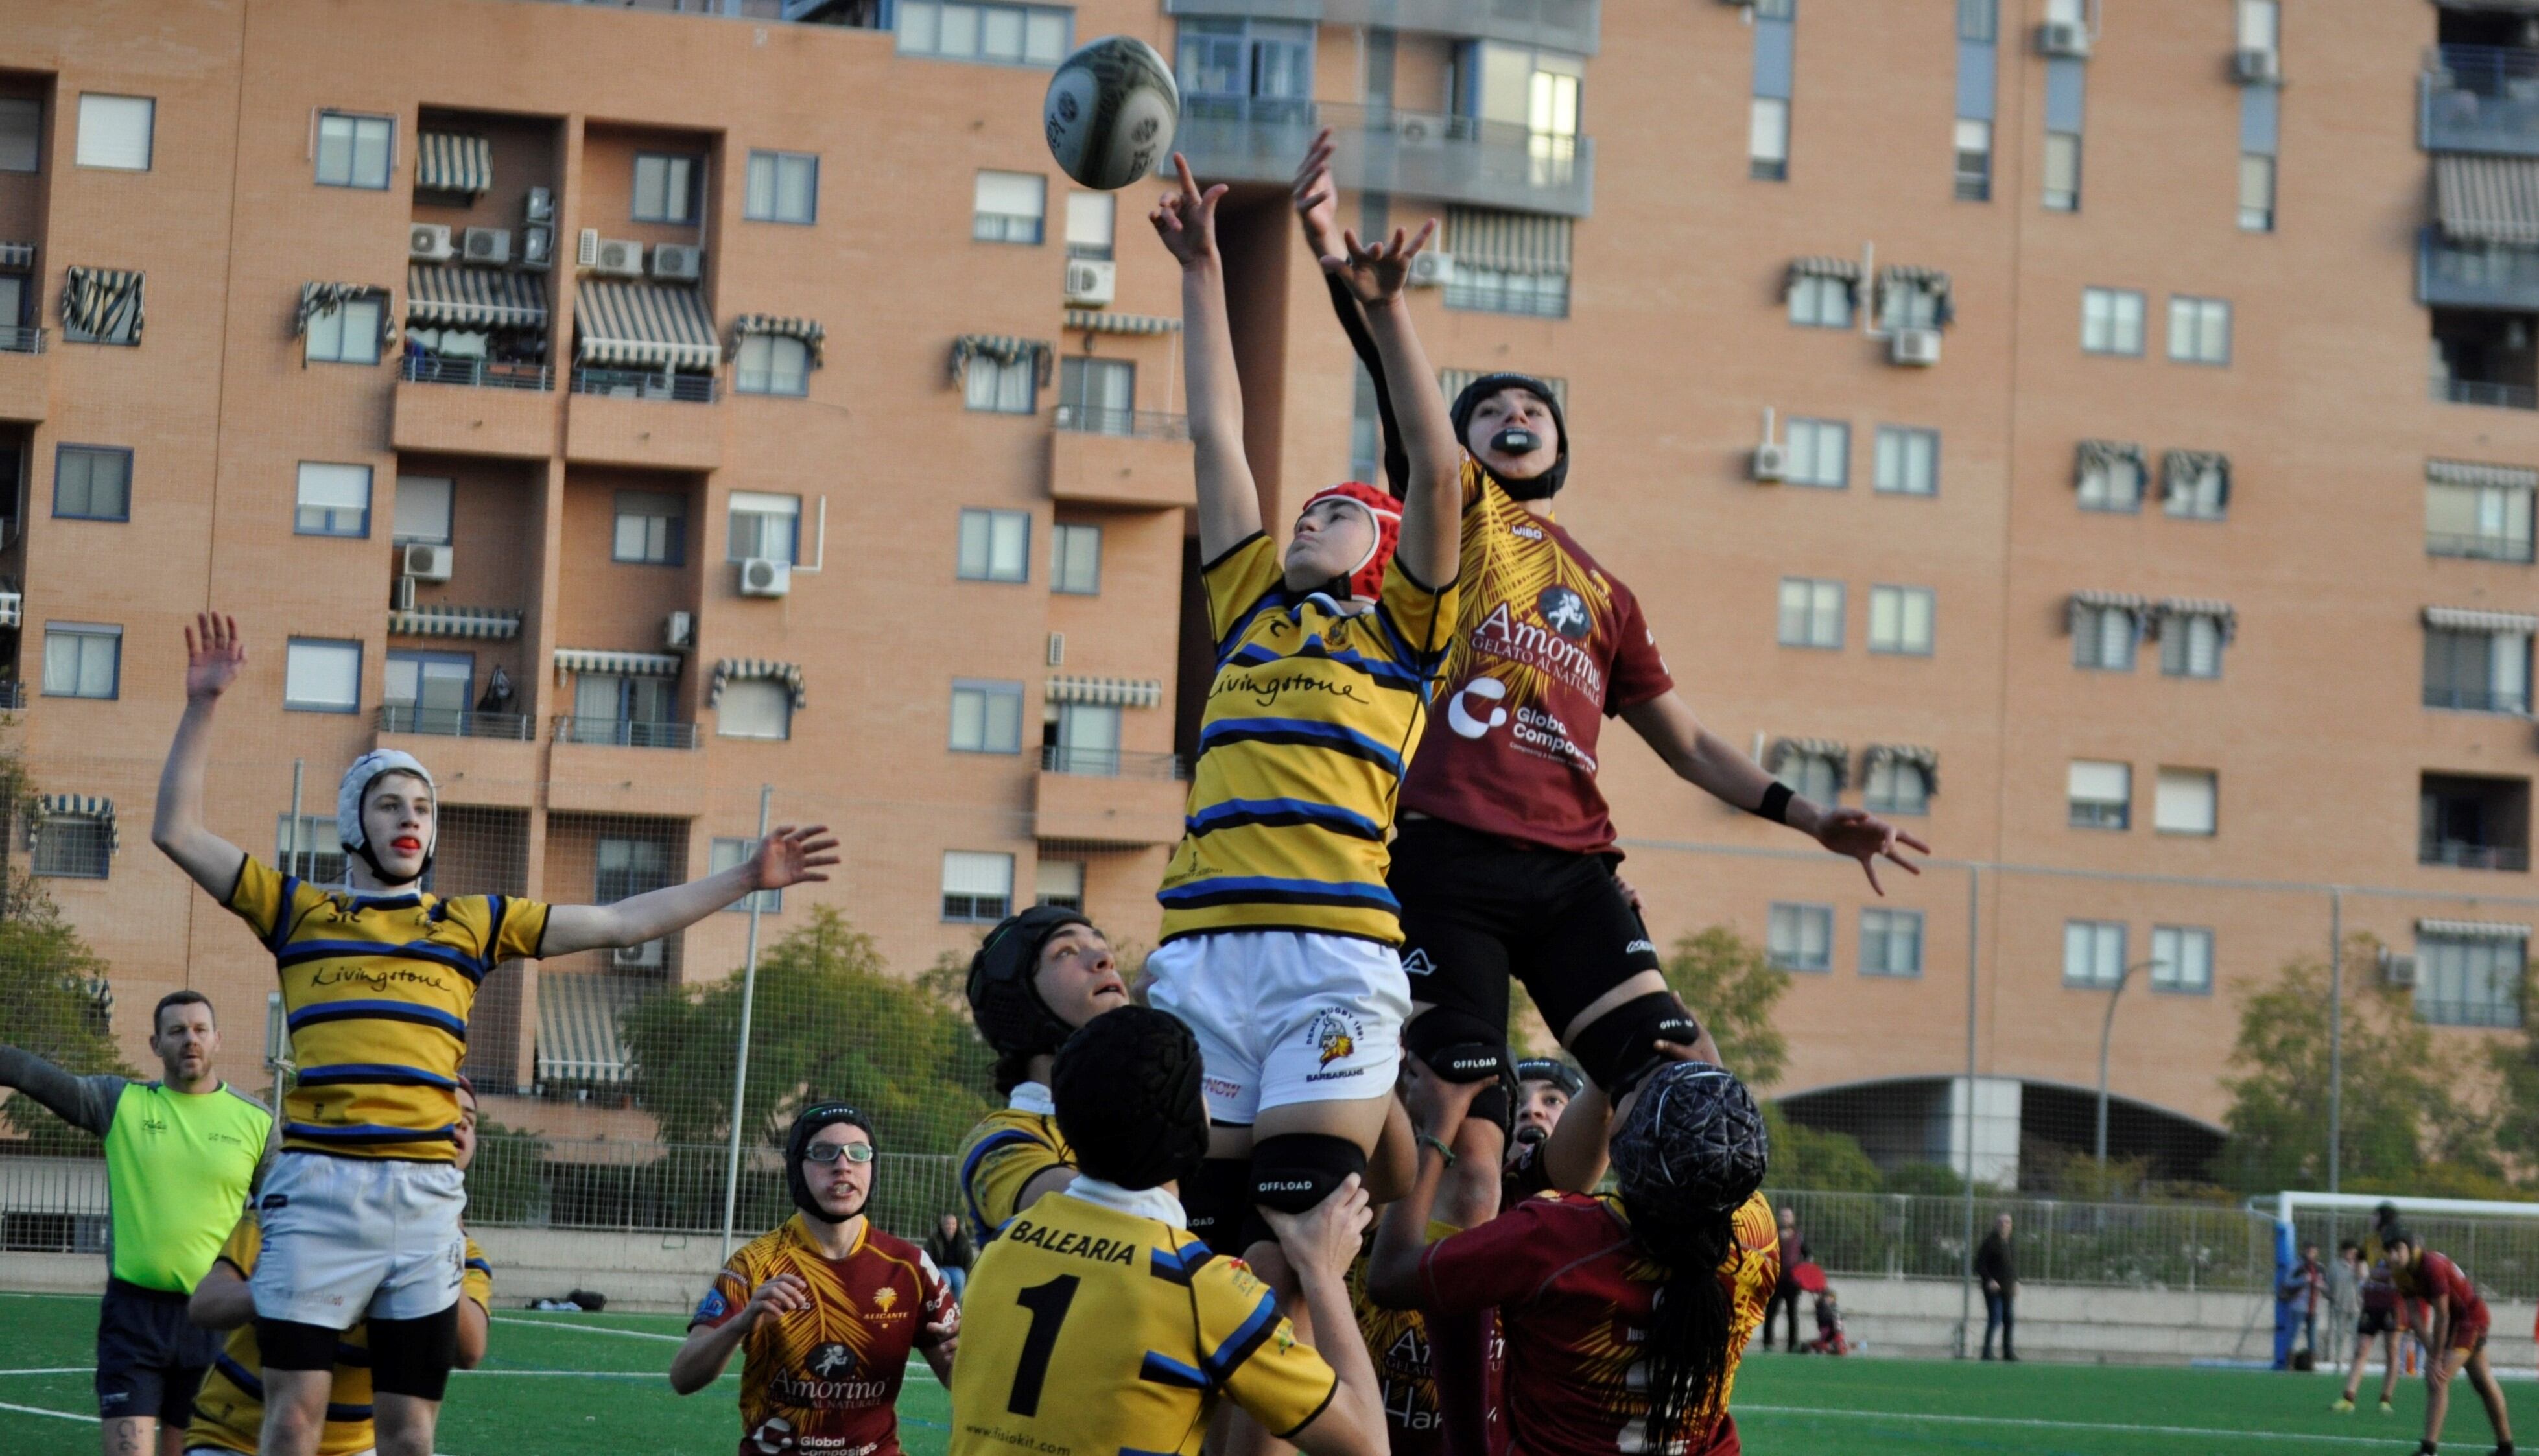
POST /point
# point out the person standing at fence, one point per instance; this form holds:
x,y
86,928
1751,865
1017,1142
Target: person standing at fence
x,y
2344,1300
360,1208
950,1248
2452,1319
1785,1289
181,1155
825,1308
2292,1296
1997,1264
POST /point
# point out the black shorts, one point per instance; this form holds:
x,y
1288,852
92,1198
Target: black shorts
x,y
2376,1322
1477,909
150,1357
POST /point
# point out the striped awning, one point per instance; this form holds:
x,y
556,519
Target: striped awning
x,y
1925,759
474,298
810,331
1102,321
1931,281
1846,269
103,303
1509,242
633,665
577,1036
2181,469
2222,613
1833,750
754,669
325,298
446,162
2123,601
484,623
1105,692
2101,455
1003,349
2466,472
645,324
18,257
76,806
2487,199
2472,930
2470,619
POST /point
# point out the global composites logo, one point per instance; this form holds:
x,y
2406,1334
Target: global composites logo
x,y
1485,693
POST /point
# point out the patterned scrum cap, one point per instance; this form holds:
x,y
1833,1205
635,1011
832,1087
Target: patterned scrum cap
x,y
1693,1143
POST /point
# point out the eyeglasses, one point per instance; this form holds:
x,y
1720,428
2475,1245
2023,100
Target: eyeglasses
x,y
829,1153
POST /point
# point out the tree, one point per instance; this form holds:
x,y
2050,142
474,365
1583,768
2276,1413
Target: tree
x,y
1731,986
55,988
2515,1064
1812,1159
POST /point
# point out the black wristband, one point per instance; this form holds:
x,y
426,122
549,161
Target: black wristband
x,y
1776,804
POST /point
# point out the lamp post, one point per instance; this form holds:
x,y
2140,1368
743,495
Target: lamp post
x,y
2106,1033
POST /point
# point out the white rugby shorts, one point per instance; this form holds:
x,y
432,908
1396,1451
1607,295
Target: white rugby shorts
x,y
346,1239
1285,1016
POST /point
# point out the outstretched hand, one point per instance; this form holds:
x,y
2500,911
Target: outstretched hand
x,y
214,654
789,856
1378,274
1185,217
1317,200
1860,835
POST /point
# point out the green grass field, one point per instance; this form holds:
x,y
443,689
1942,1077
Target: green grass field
x,y
591,1385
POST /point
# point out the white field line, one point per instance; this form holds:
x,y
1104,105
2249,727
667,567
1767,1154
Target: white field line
x,y
2030,1423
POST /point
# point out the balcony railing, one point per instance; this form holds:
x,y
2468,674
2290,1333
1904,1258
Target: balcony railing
x,y
630,383
2486,393
1421,154
2480,98
2476,547
2462,275
22,341
861,13
2460,854
1111,763
429,369
625,733
13,697
453,723
2476,699
1140,424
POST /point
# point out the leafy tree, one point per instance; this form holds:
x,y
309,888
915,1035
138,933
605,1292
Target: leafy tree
x,y
54,987
1731,986
1813,1158
504,1183
2515,1064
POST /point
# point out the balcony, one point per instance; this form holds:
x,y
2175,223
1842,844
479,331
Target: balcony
x,y
24,375
1121,457
1111,763
2476,547
2479,99
1419,154
479,374
13,695
22,341
2459,853
625,733
488,759
1557,25
2466,822
637,383
2477,700
469,407
453,723
2458,275
624,417
1110,797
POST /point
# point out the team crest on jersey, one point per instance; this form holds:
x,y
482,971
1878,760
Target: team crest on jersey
x,y
714,1306
884,1297
1564,611
1334,1035
831,1361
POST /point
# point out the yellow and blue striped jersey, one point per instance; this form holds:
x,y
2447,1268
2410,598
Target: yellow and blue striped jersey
x,y
1310,721
375,989
1009,1148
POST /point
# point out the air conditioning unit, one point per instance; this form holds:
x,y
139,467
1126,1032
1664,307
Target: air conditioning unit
x,y
585,248
1432,270
678,262
539,206
679,631
762,576
13,608
1092,283
537,248
1417,130
2068,40
1058,649
637,956
401,594
1772,463
490,245
428,243
423,561
2396,969
619,257
1915,346
2257,67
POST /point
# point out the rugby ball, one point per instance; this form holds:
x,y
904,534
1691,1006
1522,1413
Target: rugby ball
x,y
1111,112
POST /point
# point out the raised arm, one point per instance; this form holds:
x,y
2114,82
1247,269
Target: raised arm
x,y
1316,210
1229,504
1437,1109
214,654
85,1102
788,856
1573,1156
1319,1246
1431,506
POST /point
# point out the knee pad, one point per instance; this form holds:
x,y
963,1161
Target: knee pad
x,y
1295,1171
289,1345
1615,1050
1457,1045
1215,1199
412,1358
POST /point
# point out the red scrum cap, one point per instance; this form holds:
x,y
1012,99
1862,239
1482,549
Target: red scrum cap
x,y
1384,513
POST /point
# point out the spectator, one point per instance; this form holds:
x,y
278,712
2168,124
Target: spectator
x,y
950,1248
1785,1292
2313,1276
1997,1264
2344,1300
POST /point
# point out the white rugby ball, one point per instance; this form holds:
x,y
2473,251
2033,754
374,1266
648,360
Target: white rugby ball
x,y
1110,113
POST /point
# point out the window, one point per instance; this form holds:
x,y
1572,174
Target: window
x,y
1899,619
1768,133
2190,645
73,846
2103,637
1978,20
1974,160
322,677
2199,331
1011,35
2110,480
1896,786
316,856
2480,671
1811,613
665,187
755,708
996,546
1090,217
2470,979
115,131
1011,388
1908,461
2199,489
977,888
2102,794
783,187
1075,559
1060,882
629,868
1540,295
348,333
1097,395
624,709
1551,121
2093,952
354,151
1767,140
2259,25
22,134
765,526
1801,937
14,294
771,364
2062,172
2184,802
102,306
1007,207
732,853
1366,425
652,528
83,659
1080,739
1265,69
1812,774
2182,960
2256,193
1909,302
333,499
2111,320
1821,301
986,717
423,509
93,482
429,692
1819,452
2473,824
1891,942
2488,521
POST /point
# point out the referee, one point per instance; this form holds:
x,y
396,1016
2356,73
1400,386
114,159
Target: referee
x,y
181,1155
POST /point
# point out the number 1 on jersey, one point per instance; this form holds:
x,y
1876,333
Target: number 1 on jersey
x,y
1048,1305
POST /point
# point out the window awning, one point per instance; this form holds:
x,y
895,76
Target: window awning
x,y
1833,750
2180,468
2487,199
2222,613
1105,692
103,303
446,162
809,330
1931,281
754,669
2473,929
1925,759
1509,242
2101,455
1845,269
2102,601
577,1036
643,324
1003,349
325,298
484,623
2467,472
2470,619
76,806
633,665
474,298
1100,321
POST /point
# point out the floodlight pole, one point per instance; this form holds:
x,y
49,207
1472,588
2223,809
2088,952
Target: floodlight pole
x,y
1967,1270
740,1059
2106,1033
2335,1037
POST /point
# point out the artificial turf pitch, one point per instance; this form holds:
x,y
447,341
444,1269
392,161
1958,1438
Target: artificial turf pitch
x,y
591,1385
